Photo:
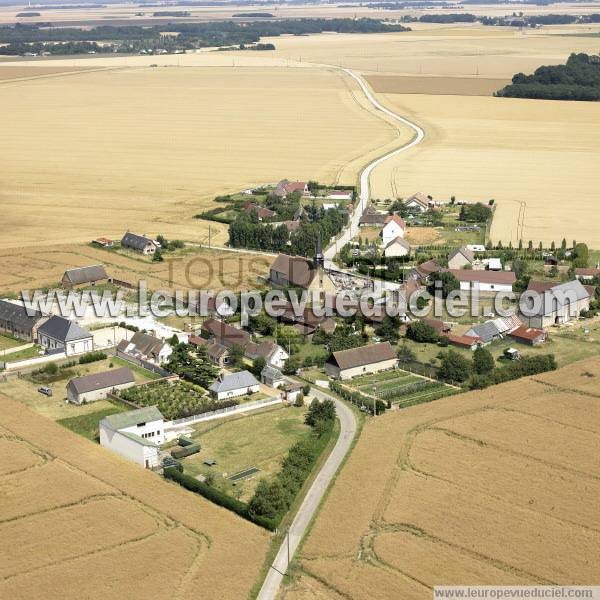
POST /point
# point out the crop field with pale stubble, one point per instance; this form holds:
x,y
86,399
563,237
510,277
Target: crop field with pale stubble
x,y
193,268
497,487
541,153
78,521
145,149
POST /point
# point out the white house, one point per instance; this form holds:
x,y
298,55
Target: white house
x,y
397,247
393,227
272,377
494,264
460,258
484,281
234,384
58,334
346,364
135,434
97,386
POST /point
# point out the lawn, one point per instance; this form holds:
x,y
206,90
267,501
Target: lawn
x,y
260,439
87,424
32,352
7,342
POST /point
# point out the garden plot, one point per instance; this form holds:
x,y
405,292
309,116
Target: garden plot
x,y
401,388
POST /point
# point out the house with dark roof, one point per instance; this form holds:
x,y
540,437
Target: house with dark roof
x,y
135,434
425,270
17,321
559,304
261,212
218,354
346,364
232,385
83,276
58,334
298,272
272,353
272,377
486,332
146,347
372,218
98,386
138,243
224,334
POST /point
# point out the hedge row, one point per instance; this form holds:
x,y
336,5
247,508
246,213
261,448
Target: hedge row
x,y
91,357
187,451
237,506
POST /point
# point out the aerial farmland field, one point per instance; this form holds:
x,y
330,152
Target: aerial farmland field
x,y
491,456
128,523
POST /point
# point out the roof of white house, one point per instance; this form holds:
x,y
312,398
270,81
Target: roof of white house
x,y
135,241
63,330
233,381
559,294
475,247
400,242
132,417
395,219
464,251
418,198
271,373
495,264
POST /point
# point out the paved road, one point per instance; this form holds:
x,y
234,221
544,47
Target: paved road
x,y
364,188
313,498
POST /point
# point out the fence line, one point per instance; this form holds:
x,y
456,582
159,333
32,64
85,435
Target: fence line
x,y
220,412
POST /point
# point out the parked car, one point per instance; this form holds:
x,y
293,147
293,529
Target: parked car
x,y
45,390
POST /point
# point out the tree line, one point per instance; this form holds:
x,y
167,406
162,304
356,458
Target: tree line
x,y
578,79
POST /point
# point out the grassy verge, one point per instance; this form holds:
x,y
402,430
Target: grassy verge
x,y
33,352
87,425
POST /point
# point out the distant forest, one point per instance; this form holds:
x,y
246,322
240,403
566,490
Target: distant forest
x,y
578,79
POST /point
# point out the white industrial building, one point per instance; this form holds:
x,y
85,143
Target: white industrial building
x,y
135,435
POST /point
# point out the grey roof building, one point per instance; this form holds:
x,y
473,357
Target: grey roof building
x,y
487,331
63,330
132,418
83,275
271,376
139,243
98,385
17,321
234,384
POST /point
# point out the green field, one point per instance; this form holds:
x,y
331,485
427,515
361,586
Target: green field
x,y
7,342
260,439
32,352
400,387
87,425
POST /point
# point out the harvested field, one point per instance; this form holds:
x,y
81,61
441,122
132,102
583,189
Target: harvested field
x,y
195,268
464,490
475,147
136,534
449,86
16,456
165,142
11,73
422,235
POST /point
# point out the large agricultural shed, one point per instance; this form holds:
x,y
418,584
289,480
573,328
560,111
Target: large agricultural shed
x,y
346,364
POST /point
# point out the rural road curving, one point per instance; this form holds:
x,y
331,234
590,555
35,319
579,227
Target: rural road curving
x,y
313,498
365,191
311,502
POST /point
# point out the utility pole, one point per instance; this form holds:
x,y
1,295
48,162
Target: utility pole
x,y
209,235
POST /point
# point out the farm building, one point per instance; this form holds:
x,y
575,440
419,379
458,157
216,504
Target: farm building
x,y
285,187
340,195
346,364
97,386
397,247
529,335
218,354
135,434
84,275
300,272
58,334
393,227
372,218
234,384
460,258
464,341
559,304
103,242
486,332
587,274
16,321
138,243
145,346
484,281
272,377
419,201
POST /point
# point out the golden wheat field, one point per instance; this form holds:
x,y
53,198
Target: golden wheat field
x,y
147,148
540,153
193,268
496,487
78,521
